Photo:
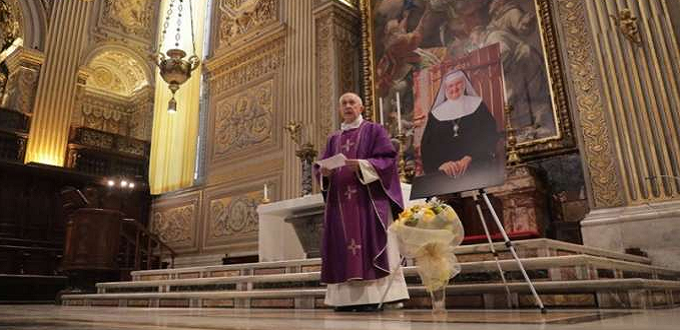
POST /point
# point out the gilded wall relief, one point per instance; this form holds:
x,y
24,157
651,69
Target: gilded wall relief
x,y
175,220
129,16
175,226
244,120
600,154
117,72
21,88
234,215
231,221
238,18
105,113
250,64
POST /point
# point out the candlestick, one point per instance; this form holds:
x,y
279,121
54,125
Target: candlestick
x,y
382,121
265,198
405,174
398,114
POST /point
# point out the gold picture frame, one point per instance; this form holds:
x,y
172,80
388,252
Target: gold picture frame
x,y
562,141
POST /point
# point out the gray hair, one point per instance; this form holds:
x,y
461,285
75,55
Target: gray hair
x,y
354,95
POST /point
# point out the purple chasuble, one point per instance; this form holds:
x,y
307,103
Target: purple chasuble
x,y
356,216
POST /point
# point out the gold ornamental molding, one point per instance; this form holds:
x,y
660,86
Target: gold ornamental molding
x,y
337,37
25,57
246,64
236,56
599,153
628,26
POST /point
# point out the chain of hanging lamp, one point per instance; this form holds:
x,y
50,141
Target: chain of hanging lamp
x,y
174,69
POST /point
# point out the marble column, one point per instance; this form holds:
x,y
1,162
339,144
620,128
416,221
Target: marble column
x,y
624,87
24,69
55,95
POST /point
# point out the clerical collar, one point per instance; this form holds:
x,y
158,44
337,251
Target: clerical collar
x,y
355,124
454,109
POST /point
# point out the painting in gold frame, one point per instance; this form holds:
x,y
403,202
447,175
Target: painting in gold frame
x,y
442,37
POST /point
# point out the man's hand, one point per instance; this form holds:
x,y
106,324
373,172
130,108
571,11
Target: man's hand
x,y
352,164
325,172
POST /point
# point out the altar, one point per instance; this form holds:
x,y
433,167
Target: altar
x,y
277,238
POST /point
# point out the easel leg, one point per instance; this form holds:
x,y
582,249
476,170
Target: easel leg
x,y
493,250
508,243
389,284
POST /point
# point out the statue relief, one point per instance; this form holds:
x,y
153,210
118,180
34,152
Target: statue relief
x,y
238,19
133,16
10,28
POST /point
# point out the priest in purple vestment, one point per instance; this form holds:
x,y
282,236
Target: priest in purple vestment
x,y
359,257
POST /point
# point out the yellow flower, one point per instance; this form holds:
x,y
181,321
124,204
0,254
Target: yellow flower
x,y
405,215
428,215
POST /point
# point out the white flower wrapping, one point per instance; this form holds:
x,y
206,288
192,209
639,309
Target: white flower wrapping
x,y
428,233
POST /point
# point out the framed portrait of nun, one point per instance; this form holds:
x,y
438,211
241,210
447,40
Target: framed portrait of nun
x,y
403,38
459,137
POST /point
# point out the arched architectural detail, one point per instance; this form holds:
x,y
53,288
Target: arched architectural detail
x,y
34,20
145,64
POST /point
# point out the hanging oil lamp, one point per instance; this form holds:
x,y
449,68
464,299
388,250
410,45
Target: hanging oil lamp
x,y
174,68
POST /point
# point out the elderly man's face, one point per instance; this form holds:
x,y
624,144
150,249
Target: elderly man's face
x,y
455,88
350,108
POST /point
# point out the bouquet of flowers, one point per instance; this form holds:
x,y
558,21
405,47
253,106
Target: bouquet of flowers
x,y
428,232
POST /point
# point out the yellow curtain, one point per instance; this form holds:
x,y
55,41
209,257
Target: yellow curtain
x,y
173,141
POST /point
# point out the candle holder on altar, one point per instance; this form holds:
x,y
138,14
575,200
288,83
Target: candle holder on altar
x,y
405,174
265,195
513,155
306,153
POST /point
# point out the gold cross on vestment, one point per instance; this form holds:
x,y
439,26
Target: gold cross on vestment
x,y
349,192
353,247
348,145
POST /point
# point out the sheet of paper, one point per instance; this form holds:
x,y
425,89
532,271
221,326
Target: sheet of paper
x,y
333,162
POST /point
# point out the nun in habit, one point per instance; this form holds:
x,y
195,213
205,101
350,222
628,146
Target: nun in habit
x,y
460,136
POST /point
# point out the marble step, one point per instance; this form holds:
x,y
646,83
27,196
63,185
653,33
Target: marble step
x,y
601,293
530,248
568,267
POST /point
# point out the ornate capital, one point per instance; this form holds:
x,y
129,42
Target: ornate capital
x,y
24,57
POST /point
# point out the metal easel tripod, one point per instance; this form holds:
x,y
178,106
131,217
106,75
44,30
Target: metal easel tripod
x,y
508,244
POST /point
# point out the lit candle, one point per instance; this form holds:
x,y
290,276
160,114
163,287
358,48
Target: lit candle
x,y
398,114
382,122
266,193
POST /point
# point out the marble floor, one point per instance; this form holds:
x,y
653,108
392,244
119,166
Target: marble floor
x,y
22,317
